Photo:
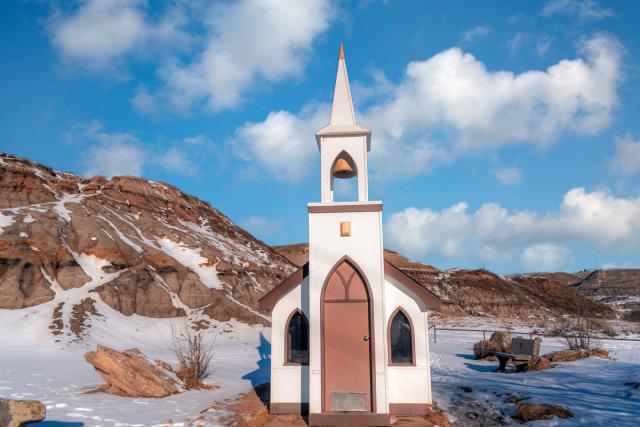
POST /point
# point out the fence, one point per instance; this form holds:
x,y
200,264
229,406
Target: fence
x,y
530,333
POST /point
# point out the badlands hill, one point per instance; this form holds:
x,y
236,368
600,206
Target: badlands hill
x,y
483,293
139,246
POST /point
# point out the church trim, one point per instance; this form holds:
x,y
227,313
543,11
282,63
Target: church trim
x,y
271,298
346,207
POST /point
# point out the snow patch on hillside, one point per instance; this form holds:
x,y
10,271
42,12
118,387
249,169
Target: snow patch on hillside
x,y
193,260
60,208
5,221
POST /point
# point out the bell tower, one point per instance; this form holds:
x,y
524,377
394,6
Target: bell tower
x,y
343,143
347,361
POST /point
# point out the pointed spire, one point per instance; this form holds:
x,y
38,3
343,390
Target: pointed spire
x,y
342,108
343,119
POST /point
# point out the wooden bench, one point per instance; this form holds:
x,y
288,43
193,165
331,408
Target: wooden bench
x,y
521,352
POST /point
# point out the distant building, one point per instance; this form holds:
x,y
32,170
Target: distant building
x,y
349,330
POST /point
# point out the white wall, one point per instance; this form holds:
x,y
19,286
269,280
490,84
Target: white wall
x,y
364,246
289,384
409,384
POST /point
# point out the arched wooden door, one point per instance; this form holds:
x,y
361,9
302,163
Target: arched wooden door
x,y
346,332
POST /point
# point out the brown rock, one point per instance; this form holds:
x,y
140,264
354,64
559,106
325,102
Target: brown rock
x,y
572,355
164,365
17,413
538,364
541,411
498,342
129,373
484,348
503,340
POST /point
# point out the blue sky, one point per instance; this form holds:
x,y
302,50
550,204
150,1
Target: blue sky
x,y
505,133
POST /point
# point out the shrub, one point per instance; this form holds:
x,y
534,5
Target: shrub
x,y
194,353
577,333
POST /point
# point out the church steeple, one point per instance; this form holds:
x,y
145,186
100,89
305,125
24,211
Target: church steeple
x,y
343,143
342,109
343,118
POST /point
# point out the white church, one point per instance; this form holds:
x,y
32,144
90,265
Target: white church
x,y
349,337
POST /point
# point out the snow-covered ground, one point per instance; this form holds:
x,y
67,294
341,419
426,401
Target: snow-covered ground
x,y
34,366
594,389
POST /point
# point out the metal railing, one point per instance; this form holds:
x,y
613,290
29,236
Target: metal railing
x,y
530,333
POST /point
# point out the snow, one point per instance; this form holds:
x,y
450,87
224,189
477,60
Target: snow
x,y
60,208
23,235
5,221
193,260
121,235
34,366
594,389
28,219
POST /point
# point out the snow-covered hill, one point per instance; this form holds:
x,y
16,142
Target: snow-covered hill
x,y
71,246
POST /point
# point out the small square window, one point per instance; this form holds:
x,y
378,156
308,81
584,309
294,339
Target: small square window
x,y
345,228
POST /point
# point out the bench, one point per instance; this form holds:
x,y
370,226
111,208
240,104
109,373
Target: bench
x,y
521,352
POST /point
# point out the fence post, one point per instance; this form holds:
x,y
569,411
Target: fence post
x,y
484,337
435,339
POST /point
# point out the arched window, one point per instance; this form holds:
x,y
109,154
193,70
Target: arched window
x,y
401,339
297,339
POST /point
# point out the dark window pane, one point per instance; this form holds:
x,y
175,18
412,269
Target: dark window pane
x,y
298,340
401,346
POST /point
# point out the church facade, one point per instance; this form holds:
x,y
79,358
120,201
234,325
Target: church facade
x,y
349,334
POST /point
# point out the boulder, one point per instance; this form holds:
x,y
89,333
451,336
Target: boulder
x,y
541,411
538,364
498,342
571,355
502,339
130,373
17,413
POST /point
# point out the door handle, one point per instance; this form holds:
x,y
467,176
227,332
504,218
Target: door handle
x,y
366,338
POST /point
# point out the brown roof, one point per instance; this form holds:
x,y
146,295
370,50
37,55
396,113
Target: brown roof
x,y
430,300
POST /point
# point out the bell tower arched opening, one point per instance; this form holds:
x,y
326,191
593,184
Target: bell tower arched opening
x,y
344,178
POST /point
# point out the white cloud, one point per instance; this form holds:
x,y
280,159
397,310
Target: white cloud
x,y
451,104
583,9
283,144
546,257
475,33
510,175
543,44
626,159
248,42
261,226
453,99
95,33
492,232
145,102
121,153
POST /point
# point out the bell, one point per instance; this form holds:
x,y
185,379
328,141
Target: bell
x,y
343,169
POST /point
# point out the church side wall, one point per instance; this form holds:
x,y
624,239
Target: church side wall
x,y
289,383
408,384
